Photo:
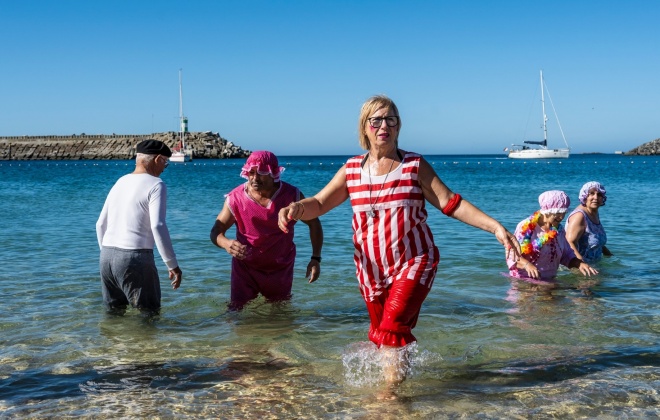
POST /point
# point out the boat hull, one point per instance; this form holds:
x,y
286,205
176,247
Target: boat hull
x,y
539,154
180,157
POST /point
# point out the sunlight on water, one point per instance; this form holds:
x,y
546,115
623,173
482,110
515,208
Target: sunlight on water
x,y
489,347
365,365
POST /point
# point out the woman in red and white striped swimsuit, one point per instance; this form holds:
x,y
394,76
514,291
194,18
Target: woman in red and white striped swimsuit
x,y
395,256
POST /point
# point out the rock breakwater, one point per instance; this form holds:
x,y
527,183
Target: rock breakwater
x,y
646,149
204,145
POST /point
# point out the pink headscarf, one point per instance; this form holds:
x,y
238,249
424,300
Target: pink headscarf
x,y
554,202
264,162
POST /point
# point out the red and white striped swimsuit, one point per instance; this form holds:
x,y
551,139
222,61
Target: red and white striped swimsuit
x,y
397,243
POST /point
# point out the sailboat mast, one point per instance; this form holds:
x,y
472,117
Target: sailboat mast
x,y
545,117
181,128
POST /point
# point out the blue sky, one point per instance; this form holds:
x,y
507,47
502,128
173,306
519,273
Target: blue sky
x,y
290,76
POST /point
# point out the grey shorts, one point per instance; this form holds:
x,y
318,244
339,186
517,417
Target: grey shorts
x,y
129,276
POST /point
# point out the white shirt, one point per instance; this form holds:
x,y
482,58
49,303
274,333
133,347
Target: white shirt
x,y
133,217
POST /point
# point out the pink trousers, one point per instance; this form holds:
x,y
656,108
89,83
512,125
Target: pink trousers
x,y
247,283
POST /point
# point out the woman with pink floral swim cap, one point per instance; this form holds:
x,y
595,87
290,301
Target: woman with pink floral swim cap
x,y
262,255
584,232
543,243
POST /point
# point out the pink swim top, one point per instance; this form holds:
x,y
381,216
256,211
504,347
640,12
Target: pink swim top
x,y
256,226
547,259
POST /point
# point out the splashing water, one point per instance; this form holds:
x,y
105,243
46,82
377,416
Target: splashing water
x,y
365,365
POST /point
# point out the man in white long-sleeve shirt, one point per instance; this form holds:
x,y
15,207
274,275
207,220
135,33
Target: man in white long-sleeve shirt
x,y
131,223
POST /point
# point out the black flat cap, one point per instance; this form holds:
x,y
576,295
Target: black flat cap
x,y
153,147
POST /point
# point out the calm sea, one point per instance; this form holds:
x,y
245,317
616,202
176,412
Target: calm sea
x,y
487,347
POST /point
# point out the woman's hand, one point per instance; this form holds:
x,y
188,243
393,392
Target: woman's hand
x,y
509,241
287,214
530,268
586,269
533,272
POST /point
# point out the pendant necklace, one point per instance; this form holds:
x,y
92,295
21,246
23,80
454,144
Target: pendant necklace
x,y
372,213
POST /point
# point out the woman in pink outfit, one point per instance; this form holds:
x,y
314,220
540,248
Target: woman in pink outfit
x,y
543,241
262,255
395,255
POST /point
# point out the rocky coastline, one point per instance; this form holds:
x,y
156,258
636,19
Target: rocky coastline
x,y
204,145
647,149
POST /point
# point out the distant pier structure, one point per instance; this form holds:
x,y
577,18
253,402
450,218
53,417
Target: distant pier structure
x,y
204,145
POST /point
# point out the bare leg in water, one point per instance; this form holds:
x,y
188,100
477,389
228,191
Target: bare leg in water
x,y
395,362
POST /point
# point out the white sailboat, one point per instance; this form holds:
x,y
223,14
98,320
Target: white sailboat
x,y
180,153
517,151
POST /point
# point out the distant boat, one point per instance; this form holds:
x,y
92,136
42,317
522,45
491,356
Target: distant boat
x,y
517,151
180,153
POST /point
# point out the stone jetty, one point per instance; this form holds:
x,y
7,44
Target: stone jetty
x,y
646,149
204,145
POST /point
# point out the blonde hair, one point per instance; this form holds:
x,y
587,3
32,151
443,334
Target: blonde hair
x,y
372,105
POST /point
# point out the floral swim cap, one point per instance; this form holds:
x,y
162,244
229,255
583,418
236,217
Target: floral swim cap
x,y
264,162
584,191
554,202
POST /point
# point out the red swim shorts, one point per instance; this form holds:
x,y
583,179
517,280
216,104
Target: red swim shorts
x,y
394,313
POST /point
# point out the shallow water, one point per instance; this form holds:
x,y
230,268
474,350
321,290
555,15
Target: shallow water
x,y
487,347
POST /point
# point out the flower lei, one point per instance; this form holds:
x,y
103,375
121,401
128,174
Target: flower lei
x,y
529,246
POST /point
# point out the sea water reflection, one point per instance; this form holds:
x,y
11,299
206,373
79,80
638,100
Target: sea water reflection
x,y
488,347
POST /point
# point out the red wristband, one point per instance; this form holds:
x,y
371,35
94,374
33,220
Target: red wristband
x,y
452,205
